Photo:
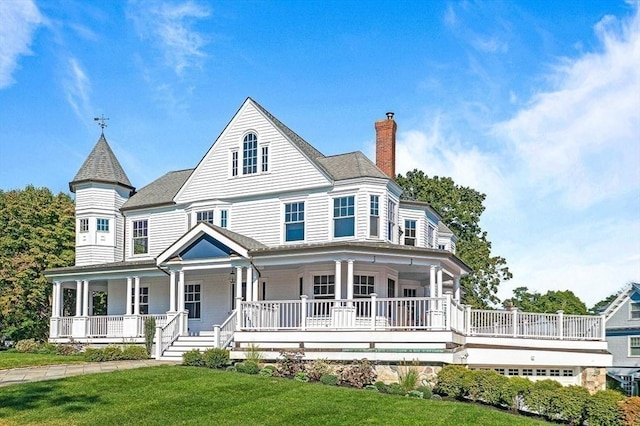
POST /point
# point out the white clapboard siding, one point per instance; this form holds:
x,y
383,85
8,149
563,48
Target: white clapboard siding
x,y
289,169
418,215
93,255
164,228
317,218
258,219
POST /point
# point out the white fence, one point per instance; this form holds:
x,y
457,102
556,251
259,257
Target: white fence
x,y
415,313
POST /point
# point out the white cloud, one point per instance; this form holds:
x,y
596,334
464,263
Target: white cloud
x,y
18,21
77,87
171,28
490,45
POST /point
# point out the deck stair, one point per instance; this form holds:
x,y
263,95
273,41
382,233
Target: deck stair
x,y
184,344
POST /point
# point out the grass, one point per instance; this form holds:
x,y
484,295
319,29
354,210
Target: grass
x,y
16,359
190,395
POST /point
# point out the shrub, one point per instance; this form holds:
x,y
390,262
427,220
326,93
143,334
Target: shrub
x,y
514,391
571,404
27,346
149,333
602,408
382,386
69,349
396,389
254,354
358,374
427,392
290,363
215,358
317,369
301,376
134,352
247,367
94,355
542,397
415,394
630,410
46,348
452,381
329,379
408,376
193,358
486,385
267,371
112,353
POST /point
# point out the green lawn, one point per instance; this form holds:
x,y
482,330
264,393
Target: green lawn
x,y
16,359
190,395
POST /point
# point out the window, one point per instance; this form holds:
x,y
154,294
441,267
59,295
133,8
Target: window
x,y
250,154
442,247
84,225
567,373
430,236
234,163
541,372
409,232
391,288
224,218
391,222
363,285
265,158
324,286
499,370
294,221
192,300
206,216
634,346
144,301
374,216
512,372
635,310
140,240
554,373
343,217
527,372
102,225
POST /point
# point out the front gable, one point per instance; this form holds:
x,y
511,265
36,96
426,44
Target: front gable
x,y
289,167
205,247
618,313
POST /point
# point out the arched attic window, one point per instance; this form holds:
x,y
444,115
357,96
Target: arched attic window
x,y
250,154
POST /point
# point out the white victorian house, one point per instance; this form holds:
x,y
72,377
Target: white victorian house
x,y
269,242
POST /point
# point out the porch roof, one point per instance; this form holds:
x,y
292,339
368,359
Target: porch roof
x,y
102,268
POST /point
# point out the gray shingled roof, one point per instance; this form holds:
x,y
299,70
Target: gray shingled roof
x,y
444,228
159,192
101,166
351,165
246,242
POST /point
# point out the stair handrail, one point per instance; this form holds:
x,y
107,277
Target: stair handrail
x,y
166,335
226,330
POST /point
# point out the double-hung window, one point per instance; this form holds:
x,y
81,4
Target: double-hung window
x,y
391,222
431,236
192,300
224,218
140,237
363,285
234,163
344,216
323,288
250,154
294,221
374,215
102,225
265,159
84,225
410,232
634,346
635,310
205,216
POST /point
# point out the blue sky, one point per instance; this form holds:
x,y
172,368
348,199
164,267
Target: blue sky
x,y
536,104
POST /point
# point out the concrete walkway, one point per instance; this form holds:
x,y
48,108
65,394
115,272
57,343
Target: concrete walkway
x,y
50,372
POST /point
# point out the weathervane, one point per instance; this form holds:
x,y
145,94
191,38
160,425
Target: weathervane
x,y
102,122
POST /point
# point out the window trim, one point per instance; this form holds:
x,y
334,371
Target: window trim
x,y
391,220
209,219
83,225
224,218
631,310
250,154
144,294
374,214
348,217
629,346
102,224
234,163
145,237
264,158
198,302
298,222
410,230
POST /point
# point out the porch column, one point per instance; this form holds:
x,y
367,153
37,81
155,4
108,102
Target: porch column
x,y
439,284
238,284
136,296
181,291
456,289
432,281
338,280
78,298
85,298
249,297
55,299
255,286
172,291
350,279
127,299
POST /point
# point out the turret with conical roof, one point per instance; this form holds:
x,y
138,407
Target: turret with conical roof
x,y
101,187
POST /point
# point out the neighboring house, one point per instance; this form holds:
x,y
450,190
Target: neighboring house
x,y
269,242
622,318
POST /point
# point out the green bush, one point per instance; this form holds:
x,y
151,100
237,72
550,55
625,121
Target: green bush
x,y
408,376
571,404
486,386
452,380
27,346
514,391
301,376
382,386
329,379
358,374
134,352
254,354
215,358
47,349
149,333
396,389
415,394
112,353
427,392
94,355
317,369
267,371
542,398
602,408
193,358
247,367
69,349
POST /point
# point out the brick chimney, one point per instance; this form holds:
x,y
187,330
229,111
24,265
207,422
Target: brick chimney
x,y
386,145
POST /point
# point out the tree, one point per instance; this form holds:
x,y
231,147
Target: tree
x,y
550,302
461,208
604,303
37,231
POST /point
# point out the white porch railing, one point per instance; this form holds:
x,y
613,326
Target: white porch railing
x,y
161,320
65,326
105,326
415,313
166,334
223,334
